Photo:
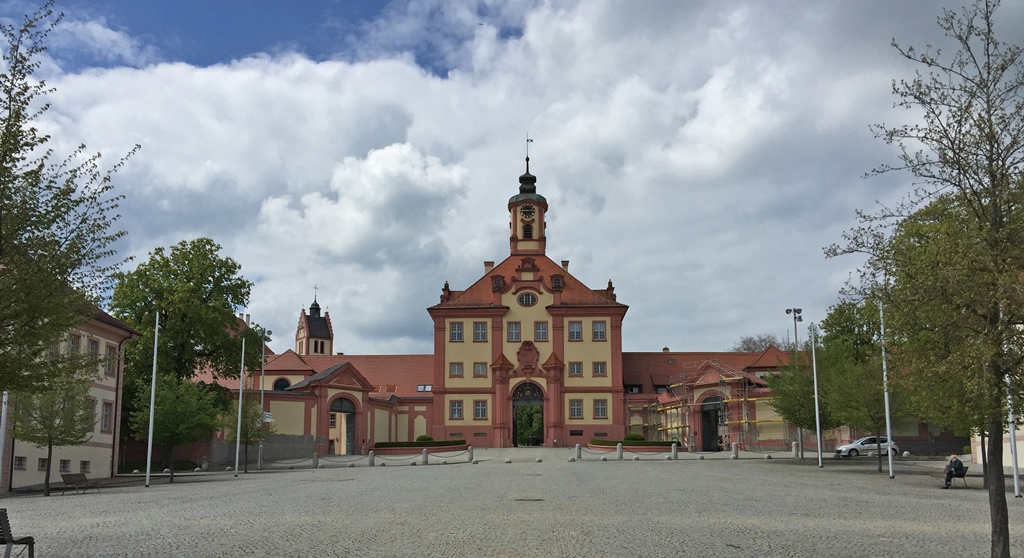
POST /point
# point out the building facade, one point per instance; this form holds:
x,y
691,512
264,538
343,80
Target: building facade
x,y
103,339
526,355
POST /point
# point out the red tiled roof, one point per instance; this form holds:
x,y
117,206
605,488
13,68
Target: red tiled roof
x,y
664,368
403,372
574,292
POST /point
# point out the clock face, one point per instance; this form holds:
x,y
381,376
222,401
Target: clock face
x,y
527,211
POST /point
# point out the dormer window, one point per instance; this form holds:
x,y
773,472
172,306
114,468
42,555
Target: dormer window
x,y
497,283
556,283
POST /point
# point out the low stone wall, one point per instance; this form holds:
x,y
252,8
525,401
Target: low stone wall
x,y
414,450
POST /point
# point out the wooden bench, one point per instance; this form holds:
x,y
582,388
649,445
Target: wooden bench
x,y
79,482
10,540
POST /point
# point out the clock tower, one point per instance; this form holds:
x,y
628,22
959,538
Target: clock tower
x,y
526,217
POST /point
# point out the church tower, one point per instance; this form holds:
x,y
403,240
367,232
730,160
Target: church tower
x,y
314,334
526,217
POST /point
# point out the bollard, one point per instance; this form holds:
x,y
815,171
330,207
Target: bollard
x,y
371,455
618,451
579,452
735,450
425,454
675,451
470,448
316,459
796,450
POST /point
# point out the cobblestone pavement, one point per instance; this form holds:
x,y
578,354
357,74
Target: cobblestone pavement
x,y
653,507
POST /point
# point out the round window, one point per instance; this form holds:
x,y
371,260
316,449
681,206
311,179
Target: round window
x,y
527,299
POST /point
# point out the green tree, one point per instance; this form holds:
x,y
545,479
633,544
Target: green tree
x,y
56,216
947,262
197,292
254,430
185,412
60,412
758,343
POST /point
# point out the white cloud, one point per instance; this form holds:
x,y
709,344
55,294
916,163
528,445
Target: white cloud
x,y
699,155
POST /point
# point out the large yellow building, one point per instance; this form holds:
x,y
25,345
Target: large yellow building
x,y
527,354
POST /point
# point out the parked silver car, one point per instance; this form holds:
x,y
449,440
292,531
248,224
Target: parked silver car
x,y
865,445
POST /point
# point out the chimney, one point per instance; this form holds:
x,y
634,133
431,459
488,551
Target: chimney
x,y
488,267
565,265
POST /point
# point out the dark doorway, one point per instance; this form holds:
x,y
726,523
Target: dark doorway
x,y
711,413
528,413
347,410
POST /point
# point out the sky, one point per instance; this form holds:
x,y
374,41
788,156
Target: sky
x,y
700,155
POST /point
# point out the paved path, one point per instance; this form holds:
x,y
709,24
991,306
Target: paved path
x,y
712,507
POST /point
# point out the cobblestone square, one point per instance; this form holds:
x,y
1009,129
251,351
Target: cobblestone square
x,y
652,507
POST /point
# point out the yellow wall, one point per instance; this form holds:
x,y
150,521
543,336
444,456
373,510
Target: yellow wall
x,y
467,352
380,426
419,425
588,352
288,416
588,408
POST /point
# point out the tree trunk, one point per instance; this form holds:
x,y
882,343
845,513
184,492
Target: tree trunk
x,y
49,466
997,492
169,461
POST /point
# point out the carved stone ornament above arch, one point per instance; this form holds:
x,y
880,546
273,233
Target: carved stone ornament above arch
x,y
527,357
528,264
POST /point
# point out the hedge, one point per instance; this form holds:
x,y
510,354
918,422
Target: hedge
x,y
612,443
430,444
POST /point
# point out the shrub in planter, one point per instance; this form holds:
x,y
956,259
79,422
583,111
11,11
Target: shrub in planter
x,y
634,437
424,438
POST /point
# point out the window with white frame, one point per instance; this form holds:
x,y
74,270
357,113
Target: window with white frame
x,y
540,331
333,420
110,365
514,332
455,334
455,410
479,331
575,331
74,344
455,369
600,408
575,408
598,331
600,369
480,410
94,350
107,417
480,369
575,368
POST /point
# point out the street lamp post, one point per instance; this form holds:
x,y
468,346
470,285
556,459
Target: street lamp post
x,y
264,337
817,410
885,392
241,391
152,401
796,348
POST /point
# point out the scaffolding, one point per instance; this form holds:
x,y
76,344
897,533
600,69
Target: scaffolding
x,y
740,415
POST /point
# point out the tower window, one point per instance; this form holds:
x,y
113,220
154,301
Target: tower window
x,y
527,231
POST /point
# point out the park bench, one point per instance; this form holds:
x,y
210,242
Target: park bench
x,y
79,482
9,540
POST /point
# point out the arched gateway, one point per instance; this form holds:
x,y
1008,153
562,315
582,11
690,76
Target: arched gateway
x,y
347,410
528,413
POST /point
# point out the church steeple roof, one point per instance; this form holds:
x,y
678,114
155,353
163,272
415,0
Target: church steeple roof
x,y
527,187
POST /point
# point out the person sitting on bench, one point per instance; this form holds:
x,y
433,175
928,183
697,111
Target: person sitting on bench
x,y
955,468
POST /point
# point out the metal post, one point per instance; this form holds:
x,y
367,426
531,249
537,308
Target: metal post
x,y
817,412
796,353
885,390
264,334
1013,441
152,400
3,433
241,388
